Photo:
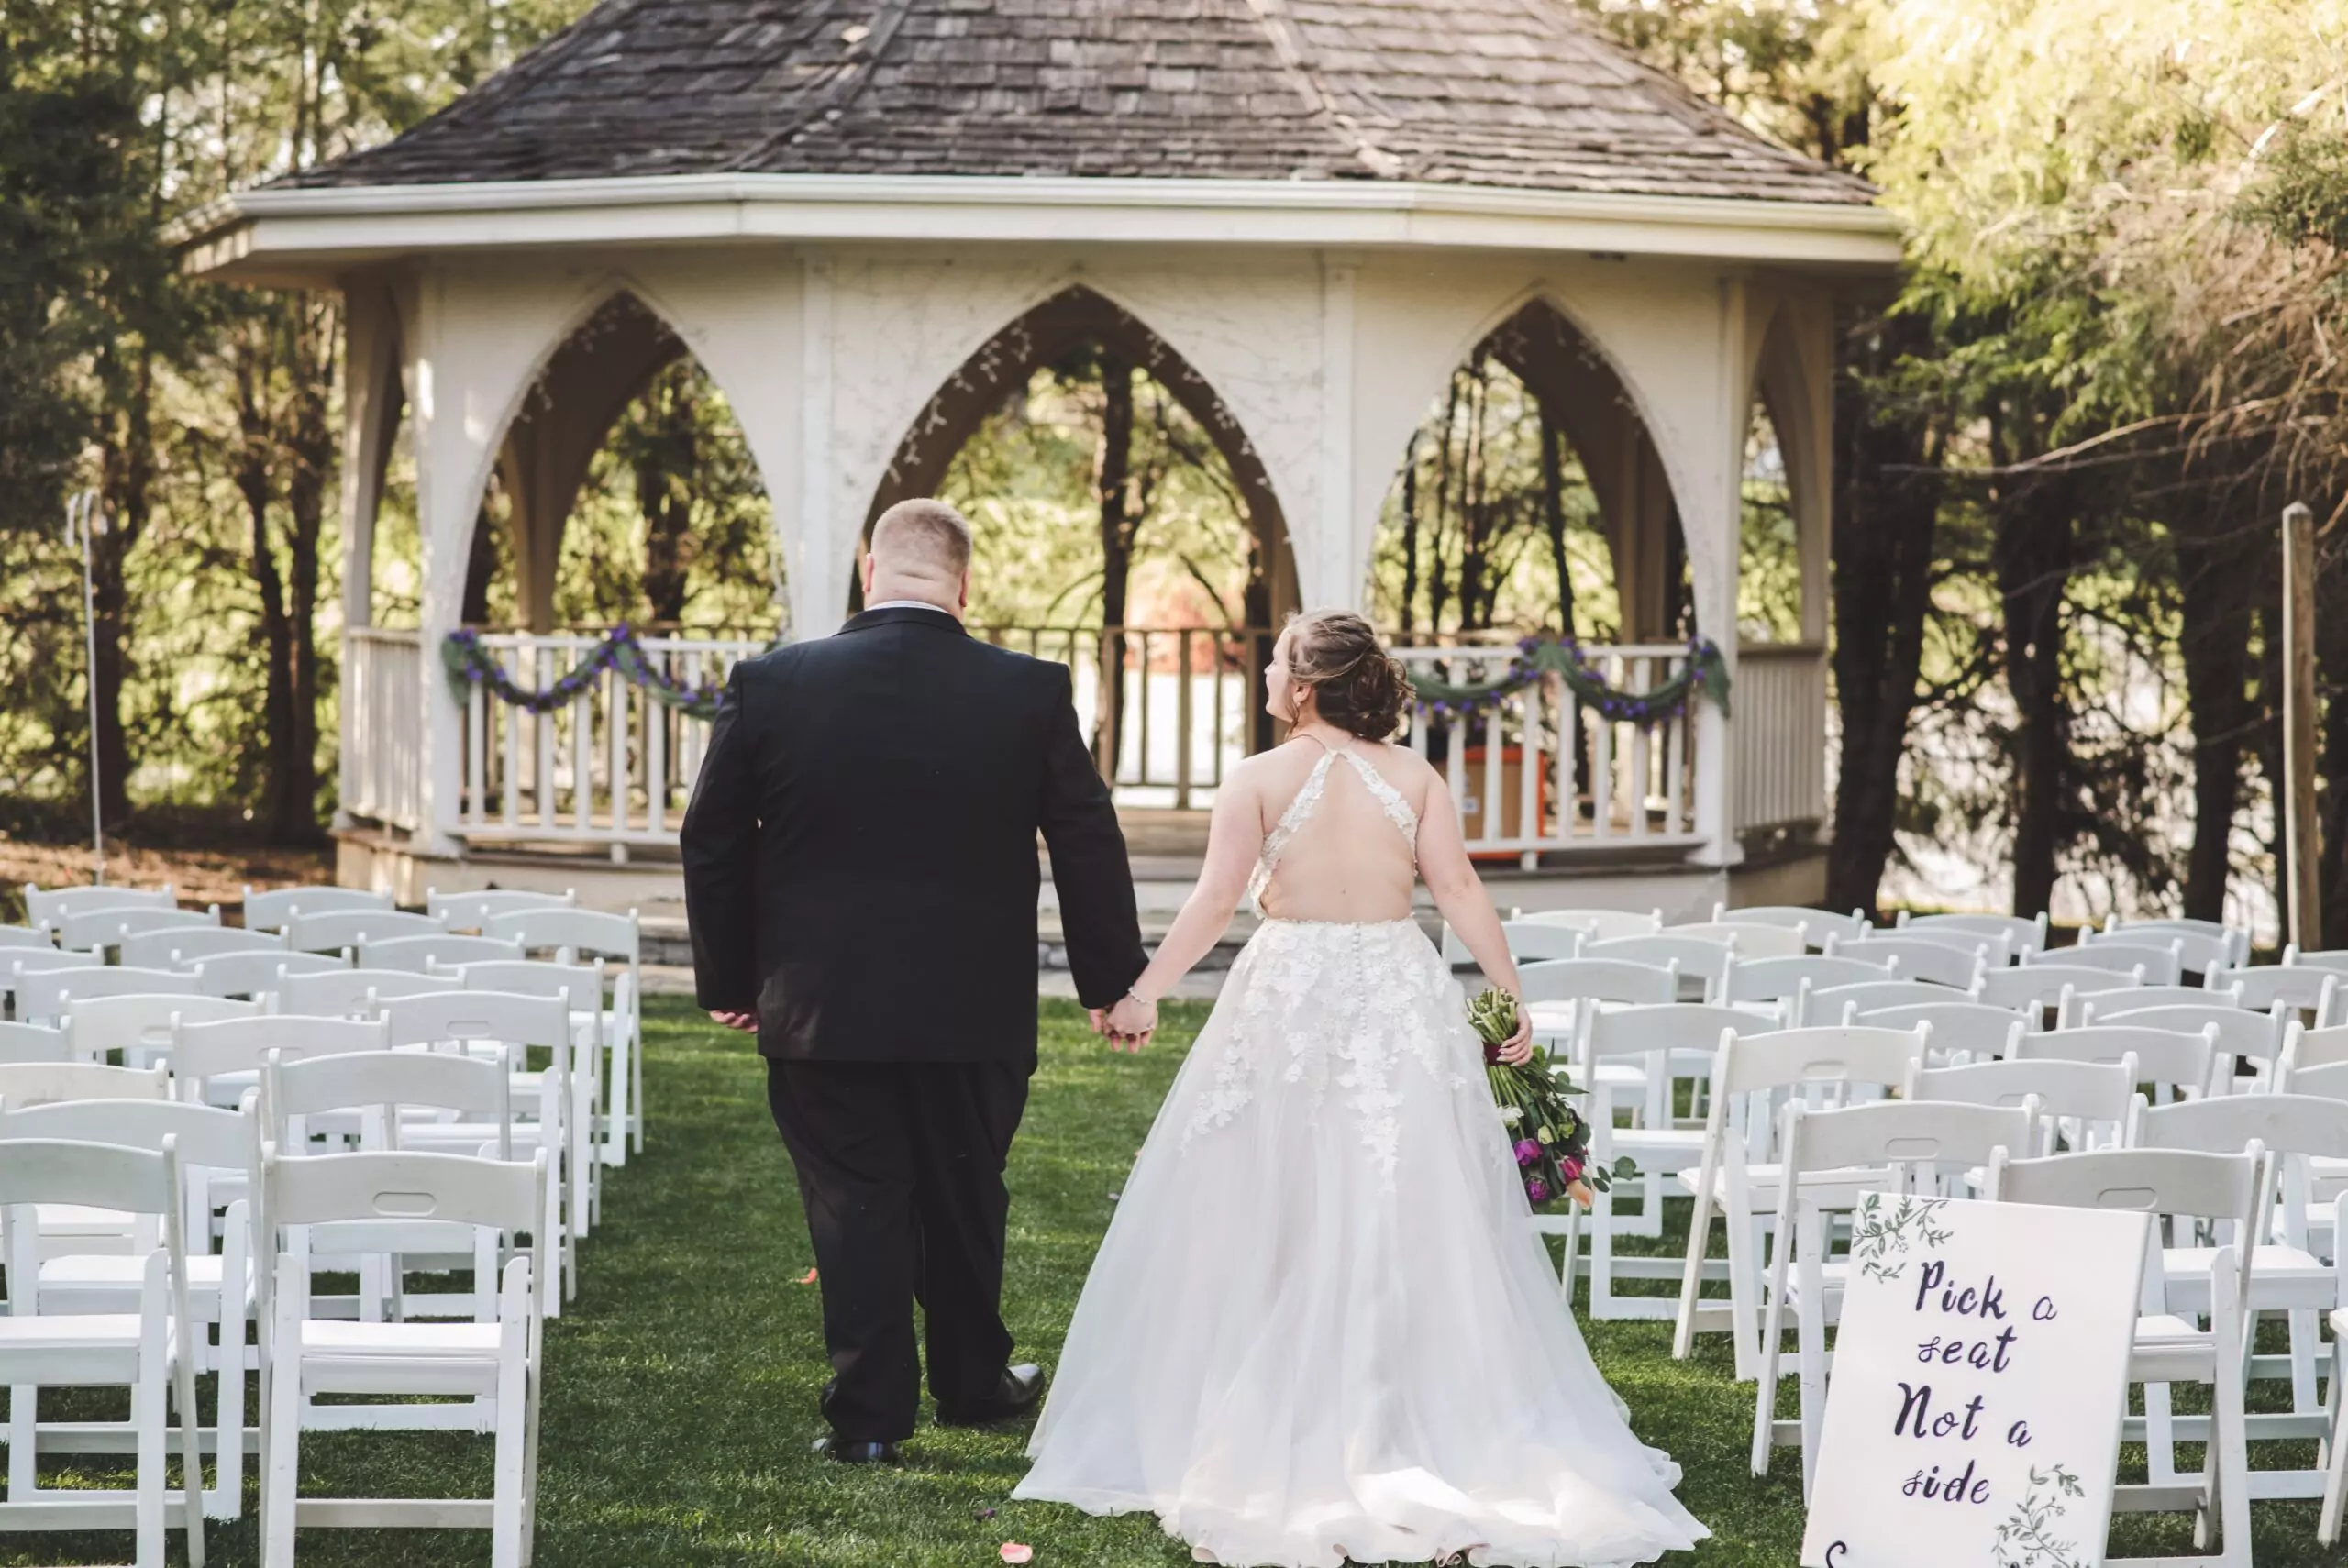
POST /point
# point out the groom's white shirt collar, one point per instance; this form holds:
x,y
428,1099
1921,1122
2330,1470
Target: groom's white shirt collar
x,y
913,604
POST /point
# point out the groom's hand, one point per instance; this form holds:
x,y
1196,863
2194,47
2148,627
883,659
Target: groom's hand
x,y
747,1022
1131,1022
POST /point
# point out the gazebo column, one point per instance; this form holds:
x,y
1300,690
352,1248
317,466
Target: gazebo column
x,y
371,403
822,550
1712,513
1335,568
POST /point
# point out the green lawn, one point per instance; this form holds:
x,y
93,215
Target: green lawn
x,y
680,1399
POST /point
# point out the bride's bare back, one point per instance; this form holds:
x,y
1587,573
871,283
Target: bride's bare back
x,y
1340,833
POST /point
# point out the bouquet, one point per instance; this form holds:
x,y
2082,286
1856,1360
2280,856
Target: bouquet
x,y
1552,1138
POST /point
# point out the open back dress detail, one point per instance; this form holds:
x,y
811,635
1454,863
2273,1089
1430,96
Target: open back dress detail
x,y
1320,1328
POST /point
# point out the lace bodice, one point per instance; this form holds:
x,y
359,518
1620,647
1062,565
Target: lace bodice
x,y
1307,801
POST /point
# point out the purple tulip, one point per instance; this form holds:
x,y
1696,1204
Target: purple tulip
x,y
1536,1190
1527,1151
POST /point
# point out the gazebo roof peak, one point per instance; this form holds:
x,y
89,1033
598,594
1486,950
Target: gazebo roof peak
x,y
1511,94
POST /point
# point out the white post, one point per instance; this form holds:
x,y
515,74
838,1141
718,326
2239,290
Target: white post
x,y
1336,581
819,576
370,400
85,518
448,498
1710,517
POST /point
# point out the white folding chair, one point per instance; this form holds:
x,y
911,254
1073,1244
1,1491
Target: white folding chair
x,y
2286,1275
2168,1348
1835,1004
1734,1178
468,911
42,997
581,988
259,975
2176,1065
2036,986
17,962
2315,1061
1599,925
2021,936
94,931
1993,951
331,931
177,946
505,1028
1919,958
219,1063
2235,938
1783,979
2091,1105
1891,1147
2333,958
2251,1041
139,1026
1816,925
32,936
43,1083
342,991
50,906
32,1042
422,954
2196,951
1558,991
269,909
1531,943
496,1363
146,1351
1961,1029
1620,1055
223,1287
2302,987
2162,996
617,941
2157,964
1752,939
1706,963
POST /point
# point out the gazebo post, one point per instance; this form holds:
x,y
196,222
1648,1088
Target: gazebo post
x,y
1711,517
371,401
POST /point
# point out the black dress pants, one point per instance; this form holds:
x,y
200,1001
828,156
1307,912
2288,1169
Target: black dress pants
x,y
900,1169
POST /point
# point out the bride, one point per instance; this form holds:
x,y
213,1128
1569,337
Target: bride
x,y
1320,1328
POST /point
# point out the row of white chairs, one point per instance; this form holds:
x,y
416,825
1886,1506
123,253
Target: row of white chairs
x,y
113,1184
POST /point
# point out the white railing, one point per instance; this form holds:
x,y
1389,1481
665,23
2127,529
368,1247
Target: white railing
x,y
382,726
1542,773
1780,730
614,767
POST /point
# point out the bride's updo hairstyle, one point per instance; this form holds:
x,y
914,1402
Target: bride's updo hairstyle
x,y
1355,685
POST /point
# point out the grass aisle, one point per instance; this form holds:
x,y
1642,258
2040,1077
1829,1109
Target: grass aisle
x,y
681,1396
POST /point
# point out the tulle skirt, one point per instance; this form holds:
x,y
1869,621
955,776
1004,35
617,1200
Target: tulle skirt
x,y
1320,1328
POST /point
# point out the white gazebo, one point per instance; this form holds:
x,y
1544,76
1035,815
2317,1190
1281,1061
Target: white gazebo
x,y
868,223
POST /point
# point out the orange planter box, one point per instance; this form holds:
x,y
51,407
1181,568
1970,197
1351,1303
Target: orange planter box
x,y
1511,802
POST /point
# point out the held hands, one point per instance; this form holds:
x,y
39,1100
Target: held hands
x,y
1128,1025
747,1022
1517,1049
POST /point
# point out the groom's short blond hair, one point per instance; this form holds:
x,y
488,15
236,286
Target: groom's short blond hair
x,y
926,535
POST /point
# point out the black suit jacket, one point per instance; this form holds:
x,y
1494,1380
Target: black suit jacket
x,y
861,850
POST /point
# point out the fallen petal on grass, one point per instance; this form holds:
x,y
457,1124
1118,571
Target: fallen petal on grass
x,y
1013,1551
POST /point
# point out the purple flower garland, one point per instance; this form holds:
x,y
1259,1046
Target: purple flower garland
x,y
470,664
1706,672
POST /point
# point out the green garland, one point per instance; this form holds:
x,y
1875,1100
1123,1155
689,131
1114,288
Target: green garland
x,y
1704,674
470,664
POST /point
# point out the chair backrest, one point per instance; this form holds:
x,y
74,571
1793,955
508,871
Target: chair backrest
x,y
1599,925
1754,939
2162,1056
2142,1181
581,984
2037,984
2134,997
2102,1094
599,933
470,1085
49,995
203,1050
93,929
1599,980
2160,963
1957,1135
50,906
1816,925
1833,1004
1529,943
100,1024
1972,1026
2196,951
2301,986
32,1042
2224,1124
450,1016
1706,961
1839,1054
259,974
15,961
420,953
207,1136
269,909
339,992
466,911
2242,1034
38,936
2309,1050
178,946
1636,1031
2236,938
40,1083
331,930
2020,936
1775,979
2333,958
1990,948
100,1175
390,1185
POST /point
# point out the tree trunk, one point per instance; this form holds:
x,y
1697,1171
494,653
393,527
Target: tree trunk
x,y
2216,580
1111,469
2032,546
1886,517
126,494
1410,535
257,484
666,464
1553,513
311,447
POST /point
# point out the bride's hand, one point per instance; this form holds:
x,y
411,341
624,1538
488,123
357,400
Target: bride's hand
x,y
1517,1049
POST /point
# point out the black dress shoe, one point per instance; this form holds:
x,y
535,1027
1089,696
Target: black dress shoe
x,y
1015,1395
858,1453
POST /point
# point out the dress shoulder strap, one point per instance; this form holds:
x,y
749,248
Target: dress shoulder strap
x,y
1299,810
1390,799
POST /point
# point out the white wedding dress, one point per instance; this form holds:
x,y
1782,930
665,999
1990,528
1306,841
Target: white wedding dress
x,y
1320,1329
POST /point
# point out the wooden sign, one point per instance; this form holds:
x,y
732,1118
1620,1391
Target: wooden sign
x,y
1978,1380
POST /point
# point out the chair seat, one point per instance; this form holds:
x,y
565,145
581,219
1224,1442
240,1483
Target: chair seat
x,y
78,1219
2280,1276
123,1271
1761,1182
70,1332
341,1356
336,1336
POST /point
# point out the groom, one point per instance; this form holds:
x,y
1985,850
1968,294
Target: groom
x,y
860,879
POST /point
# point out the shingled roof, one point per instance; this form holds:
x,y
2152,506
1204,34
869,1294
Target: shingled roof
x,y
1499,92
